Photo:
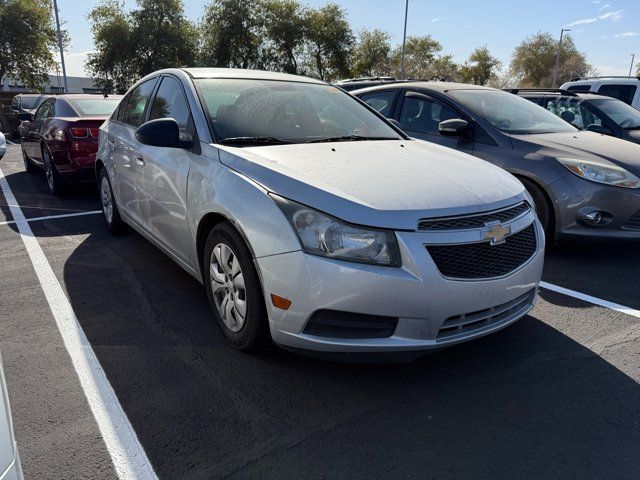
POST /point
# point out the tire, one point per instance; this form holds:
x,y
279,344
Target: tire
x,y
110,211
232,285
29,167
543,209
57,184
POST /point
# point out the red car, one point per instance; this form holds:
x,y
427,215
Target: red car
x,y
62,137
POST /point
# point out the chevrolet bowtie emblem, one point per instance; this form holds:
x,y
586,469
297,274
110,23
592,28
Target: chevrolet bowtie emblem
x,y
497,233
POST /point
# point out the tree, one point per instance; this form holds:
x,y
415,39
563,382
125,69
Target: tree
x,y
27,39
480,67
533,61
420,55
285,31
330,40
130,45
444,68
371,55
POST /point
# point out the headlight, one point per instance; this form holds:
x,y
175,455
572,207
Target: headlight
x,y
321,234
608,174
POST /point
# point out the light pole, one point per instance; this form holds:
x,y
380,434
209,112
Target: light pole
x,y
404,37
64,69
633,57
555,71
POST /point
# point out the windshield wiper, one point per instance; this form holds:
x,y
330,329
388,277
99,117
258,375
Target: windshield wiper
x,y
350,138
253,141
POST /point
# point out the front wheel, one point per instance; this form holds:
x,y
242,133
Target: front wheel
x,y
234,290
543,209
110,211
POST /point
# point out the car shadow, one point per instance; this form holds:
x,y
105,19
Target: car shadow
x,y
528,402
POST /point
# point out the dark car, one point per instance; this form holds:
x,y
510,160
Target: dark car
x,y
584,184
588,111
20,104
62,137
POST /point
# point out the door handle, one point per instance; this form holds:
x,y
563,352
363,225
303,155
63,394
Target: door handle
x,y
140,161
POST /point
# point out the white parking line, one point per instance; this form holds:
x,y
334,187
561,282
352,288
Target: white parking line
x,y
49,217
128,456
588,298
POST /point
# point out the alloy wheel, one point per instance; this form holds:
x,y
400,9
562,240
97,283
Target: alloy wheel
x,y
48,171
107,202
228,287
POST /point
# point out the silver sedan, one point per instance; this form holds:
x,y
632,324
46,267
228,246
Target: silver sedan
x,y
311,220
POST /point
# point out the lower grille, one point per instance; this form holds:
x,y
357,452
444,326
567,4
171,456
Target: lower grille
x,y
335,324
491,317
484,260
634,222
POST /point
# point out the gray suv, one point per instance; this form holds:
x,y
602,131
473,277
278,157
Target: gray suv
x,y
584,184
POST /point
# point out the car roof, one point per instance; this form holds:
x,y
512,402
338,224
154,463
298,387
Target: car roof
x,y
80,96
432,85
543,92
239,73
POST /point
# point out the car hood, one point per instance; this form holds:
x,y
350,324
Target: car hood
x,y
586,146
387,184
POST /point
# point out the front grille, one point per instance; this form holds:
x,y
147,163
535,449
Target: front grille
x,y
634,222
335,324
491,317
484,260
468,222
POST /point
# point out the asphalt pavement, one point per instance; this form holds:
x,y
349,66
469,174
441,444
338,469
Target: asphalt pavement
x,y
554,396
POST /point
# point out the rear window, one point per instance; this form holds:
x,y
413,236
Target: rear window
x,y
95,106
621,92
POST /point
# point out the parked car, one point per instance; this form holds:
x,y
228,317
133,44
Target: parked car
x,y
626,89
62,137
21,104
10,468
3,145
311,219
584,184
362,82
588,111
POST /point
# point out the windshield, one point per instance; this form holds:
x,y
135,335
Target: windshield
x,y
624,115
31,102
510,113
287,112
95,106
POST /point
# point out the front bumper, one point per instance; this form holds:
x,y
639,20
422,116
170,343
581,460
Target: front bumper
x,y
416,294
576,196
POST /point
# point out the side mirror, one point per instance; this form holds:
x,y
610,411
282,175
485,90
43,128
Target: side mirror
x,y
25,117
594,127
453,127
15,108
162,132
395,122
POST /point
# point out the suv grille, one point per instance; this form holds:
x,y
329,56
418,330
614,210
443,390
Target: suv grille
x,y
634,222
474,221
484,260
467,323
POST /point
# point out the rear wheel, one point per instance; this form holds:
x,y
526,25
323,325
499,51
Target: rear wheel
x,y
543,208
110,211
233,289
57,185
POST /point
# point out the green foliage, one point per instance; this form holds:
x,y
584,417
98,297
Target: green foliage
x,y
480,67
129,45
372,54
533,61
285,30
27,39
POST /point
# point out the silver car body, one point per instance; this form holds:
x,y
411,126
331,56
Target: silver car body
x,y
9,459
3,145
170,196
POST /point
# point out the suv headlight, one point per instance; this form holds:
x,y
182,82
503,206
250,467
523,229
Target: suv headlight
x,y
324,235
607,174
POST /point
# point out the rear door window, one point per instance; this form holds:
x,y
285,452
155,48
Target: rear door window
x,y
621,92
136,105
43,111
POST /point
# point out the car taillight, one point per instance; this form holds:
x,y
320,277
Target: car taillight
x,y
94,132
78,132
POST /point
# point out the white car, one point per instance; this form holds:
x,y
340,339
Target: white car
x,y
312,220
3,145
626,89
9,459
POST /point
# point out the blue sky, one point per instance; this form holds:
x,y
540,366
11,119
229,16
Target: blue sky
x,y
608,31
